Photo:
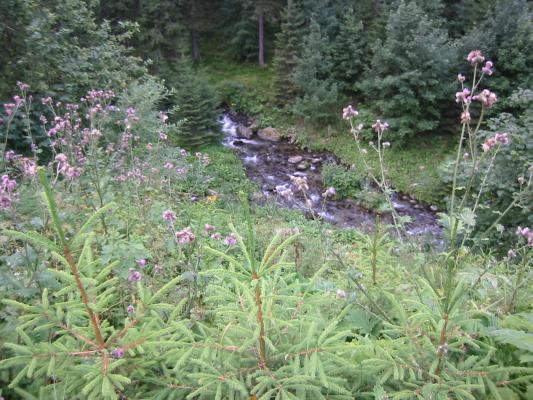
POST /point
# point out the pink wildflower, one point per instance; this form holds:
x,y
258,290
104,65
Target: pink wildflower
x,y
141,262
216,236
486,97
118,353
475,57
526,233
487,69
230,240
465,117
185,236
208,228
134,275
380,127
130,309
168,215
349,112
461,78
463,96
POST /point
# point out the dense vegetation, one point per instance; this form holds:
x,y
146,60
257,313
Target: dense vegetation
x,y
136,264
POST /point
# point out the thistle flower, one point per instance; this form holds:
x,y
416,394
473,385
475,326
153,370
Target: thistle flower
x,y
380,127
499,138
118,353
486,97
230,240
134,275
163,136
23,86
463,96
527,233
300,182
130,309
216,236
208,228
461,78
168,215
465,117
475,57
185,236
386,145
487,69
349,112
141,262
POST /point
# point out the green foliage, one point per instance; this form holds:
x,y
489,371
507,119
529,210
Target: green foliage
x,y
515,160
350,54
506,36
347,182
312,77
288,51
197,103
409,78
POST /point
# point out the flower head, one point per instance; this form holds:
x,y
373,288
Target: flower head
x,y
130,309
487,69
168,215
134,275
118,353
475,57
349,112
486,97
141,262
380,127
230,240
185,236
208,228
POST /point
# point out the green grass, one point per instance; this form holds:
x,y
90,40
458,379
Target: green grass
x,y
412,169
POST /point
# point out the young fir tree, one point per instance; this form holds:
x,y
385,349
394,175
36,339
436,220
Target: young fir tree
x,y
197,108
288,51
409,78
312,76
350,51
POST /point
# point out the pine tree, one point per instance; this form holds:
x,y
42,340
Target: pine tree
x,y
409,79
288,50
350,51
312,76
197,108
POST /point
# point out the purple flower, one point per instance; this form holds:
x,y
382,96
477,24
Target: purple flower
x,y
168,165
118,352
526,233
141,262
349,112
130,309
380,127
475,57
185,236
208,228
23,86
134,276
465,117
163,136
487,98
216,236
168,215
230,240
463,96
487,69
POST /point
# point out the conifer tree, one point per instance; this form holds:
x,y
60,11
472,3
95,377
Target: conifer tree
x,y
350,51
313,78
197,108
288,50
409,79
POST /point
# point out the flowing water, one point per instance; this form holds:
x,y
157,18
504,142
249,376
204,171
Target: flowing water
x,y
273,166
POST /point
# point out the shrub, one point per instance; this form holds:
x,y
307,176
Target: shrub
x,y
347,182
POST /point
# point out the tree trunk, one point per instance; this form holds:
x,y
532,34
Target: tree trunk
x,y
261,40
194,46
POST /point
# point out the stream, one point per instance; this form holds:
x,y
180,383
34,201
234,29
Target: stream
x,y
274,165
